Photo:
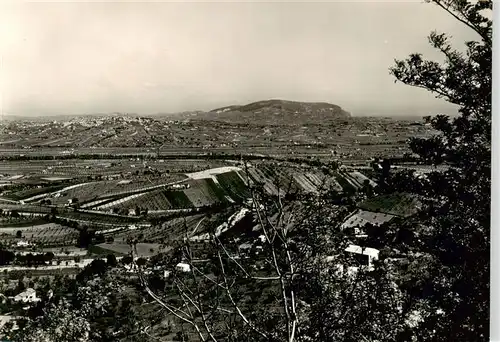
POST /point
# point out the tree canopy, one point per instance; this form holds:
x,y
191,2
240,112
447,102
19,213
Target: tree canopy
x,y
457,202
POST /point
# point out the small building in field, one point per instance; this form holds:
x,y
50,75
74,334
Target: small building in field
x,y
357,257
28,296
365,256
183,267
360,218
22,244
245,247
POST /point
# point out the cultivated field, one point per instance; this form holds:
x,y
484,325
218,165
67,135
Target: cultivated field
x,y
49,234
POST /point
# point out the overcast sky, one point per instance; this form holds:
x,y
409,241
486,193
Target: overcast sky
x,y
77,58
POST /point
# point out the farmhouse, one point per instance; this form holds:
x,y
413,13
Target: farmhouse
x,y
22,244
357,257
245,247
183,267
132,268
360,218
28,296
364,255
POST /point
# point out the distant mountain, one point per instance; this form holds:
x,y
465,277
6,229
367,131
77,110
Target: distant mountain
x,y
276,112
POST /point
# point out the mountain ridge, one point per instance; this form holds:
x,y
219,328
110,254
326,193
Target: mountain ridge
x,y
277,111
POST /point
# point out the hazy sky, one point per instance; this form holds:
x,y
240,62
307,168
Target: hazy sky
x,y
76,58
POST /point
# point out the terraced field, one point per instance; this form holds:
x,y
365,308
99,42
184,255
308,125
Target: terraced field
x,y
211,187
173,229
344,184
200,193
96,190
292,179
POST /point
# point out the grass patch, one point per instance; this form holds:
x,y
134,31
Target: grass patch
x,y
233,185
100,251
121,249
215,190
399,204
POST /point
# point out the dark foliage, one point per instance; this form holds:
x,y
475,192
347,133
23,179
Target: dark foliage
x,y
457,202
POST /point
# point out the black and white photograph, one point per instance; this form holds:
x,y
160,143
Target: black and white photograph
x,y
247,171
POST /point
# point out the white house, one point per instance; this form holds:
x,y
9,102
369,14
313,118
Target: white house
x,y
245,247
28,296
183,267
364,255
358,219
132,268
23,243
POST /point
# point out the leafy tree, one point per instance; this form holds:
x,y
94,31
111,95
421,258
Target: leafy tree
x,y
141,262
98,310
98,266
59,323
127,260
19,234
6,257
85,237
20,286
456,213
49,256
111,260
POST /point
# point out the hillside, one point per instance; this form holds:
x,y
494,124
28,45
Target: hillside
x,y
277,112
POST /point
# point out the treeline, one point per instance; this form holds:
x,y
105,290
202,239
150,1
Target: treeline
x,y
62,221
407,159
212,209
30,259
313,162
